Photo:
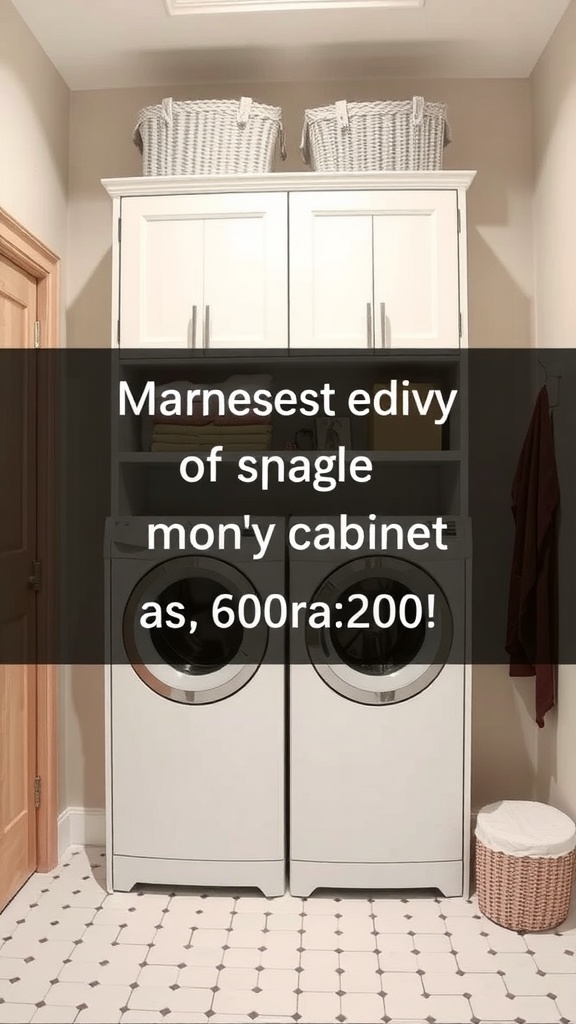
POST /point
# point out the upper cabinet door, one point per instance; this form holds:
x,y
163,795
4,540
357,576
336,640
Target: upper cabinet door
x,y
375,268
161,272
331,290
204,271
416,289
245,271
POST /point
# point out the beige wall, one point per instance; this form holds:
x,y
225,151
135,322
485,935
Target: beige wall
x,y
554,104
34,118
491,124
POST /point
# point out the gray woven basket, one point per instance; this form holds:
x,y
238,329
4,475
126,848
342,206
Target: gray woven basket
x,y
386,135
209,137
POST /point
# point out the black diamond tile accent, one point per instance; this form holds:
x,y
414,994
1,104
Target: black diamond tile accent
x,y
485,935
174,987
40,1005
93,984
431,1020
214,989
258,990
551,995
164,1012
220,967
569,952
180,966
420,972
300,949
460,974
104,963
341,1018
442,917
340,992
416,952
42,941
386,1020
530,952
297,969
338,916
411,933
262,949
134,985
296,1016
492,952
298,991
2,1001
564,1020
253,1015
520,1020
380,971
425,995
510,996
336,950
467,995
82,1006
54,981
377,951
541,974
338,933
143,964
124,1009
501,973
339,970
210,1013
475,1020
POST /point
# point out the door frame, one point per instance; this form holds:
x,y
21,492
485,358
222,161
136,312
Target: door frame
x,y
30,254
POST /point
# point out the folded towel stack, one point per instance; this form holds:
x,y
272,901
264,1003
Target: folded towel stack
x,y
181,438
203,428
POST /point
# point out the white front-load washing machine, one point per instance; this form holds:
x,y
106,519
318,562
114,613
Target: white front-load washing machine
x,y
380,717
195,720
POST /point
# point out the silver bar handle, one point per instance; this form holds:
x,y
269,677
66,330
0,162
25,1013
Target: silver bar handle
x,y
383,323
207,327
194,320
369,326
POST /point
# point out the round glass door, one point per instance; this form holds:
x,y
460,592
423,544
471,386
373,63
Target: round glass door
x,y
200,666
363,658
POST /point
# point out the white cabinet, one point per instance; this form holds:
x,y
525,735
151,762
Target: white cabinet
x,y
375,269
203,271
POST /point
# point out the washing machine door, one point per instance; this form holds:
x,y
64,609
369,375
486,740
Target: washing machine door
x,y
363,658
198,667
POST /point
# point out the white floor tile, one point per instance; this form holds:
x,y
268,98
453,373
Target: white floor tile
x,y
160,977
246,922
249,958
197,977
285,922
319,980
55,1015
278,979
362,1008
535,1009
234,1001
238,978
449,1009
16,1013
318,1006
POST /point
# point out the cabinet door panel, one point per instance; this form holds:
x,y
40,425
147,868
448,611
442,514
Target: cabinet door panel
x,y
416,291
246,271
161,272
330,271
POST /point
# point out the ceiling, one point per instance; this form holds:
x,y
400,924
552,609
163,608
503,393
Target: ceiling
x,y
98,44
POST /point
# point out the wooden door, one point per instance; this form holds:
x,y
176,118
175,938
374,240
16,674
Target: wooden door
x,y
331,288
17,598
161,272
416,280
245,271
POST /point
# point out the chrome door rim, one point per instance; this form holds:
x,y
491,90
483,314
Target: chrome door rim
x,y
233,676
344,679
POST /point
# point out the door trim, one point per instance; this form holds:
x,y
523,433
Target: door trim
x,y
31,255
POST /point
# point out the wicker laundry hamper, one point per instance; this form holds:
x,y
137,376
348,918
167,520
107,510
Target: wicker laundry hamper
x,y
209,137
525,857
387,135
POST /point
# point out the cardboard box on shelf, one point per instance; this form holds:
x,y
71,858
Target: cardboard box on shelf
x,y
413,432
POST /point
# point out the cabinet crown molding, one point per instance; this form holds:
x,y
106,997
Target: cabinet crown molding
x,y
297,181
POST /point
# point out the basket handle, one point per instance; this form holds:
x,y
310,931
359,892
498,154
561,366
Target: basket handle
x,y
341,107
244,109
167,110
417,110
304,144
282,140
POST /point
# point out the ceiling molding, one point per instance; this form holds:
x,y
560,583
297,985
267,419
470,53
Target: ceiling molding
x,y
179,7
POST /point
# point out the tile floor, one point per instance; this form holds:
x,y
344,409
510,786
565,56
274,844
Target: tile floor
x,y
69,952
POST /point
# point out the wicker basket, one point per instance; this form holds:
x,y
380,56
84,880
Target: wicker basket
x,y
209,137
529,894
407,135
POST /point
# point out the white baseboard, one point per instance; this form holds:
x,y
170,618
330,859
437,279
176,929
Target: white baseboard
x,y
81,826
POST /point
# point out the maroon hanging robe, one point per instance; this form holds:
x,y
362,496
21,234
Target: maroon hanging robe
x,y
533,599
